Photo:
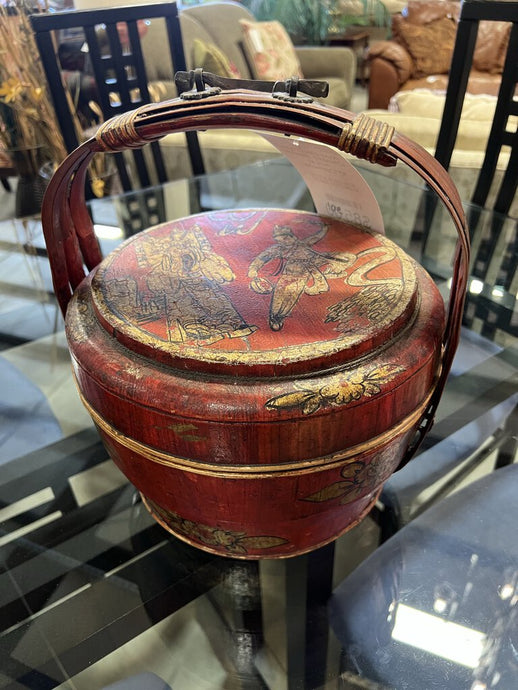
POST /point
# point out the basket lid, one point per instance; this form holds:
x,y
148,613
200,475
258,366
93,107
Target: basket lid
x,y
260,291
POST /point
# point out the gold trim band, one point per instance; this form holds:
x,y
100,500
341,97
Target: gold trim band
x,y
322,463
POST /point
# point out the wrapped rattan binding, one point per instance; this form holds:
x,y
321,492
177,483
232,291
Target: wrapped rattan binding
x,y
366,138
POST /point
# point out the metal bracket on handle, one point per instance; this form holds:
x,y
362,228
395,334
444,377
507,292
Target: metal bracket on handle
x,y
198,84
193,85
292,86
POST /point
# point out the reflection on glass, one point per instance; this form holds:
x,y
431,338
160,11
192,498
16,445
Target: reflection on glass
x,y
436,636
108,232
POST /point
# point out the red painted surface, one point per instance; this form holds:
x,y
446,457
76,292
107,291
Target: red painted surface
x,y
299,510
198,395
286,381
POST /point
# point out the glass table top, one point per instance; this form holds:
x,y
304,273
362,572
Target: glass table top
x,y
95,595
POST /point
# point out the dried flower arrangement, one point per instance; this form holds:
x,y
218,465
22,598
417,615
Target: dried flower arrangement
x,y
29,130
28,124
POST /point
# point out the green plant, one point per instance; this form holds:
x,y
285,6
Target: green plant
x,y
304,20
359,13
312,21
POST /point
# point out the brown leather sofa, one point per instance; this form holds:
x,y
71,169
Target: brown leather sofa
x,y
419,52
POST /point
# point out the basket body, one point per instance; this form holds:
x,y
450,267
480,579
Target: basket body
x,y
257,374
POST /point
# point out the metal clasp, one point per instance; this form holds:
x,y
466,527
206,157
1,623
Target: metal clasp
x,y
195,88
289,91
200,84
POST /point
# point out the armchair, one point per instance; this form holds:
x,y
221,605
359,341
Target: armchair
x,y
213,38
220,25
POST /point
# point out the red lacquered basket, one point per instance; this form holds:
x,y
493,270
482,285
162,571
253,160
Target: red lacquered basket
x,y
257,374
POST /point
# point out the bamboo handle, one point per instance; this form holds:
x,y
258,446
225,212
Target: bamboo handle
x,y
68,229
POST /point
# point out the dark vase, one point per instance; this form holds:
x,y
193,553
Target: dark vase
x,y
29,195
33,177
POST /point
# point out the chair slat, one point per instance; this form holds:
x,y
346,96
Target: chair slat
x,y
120,74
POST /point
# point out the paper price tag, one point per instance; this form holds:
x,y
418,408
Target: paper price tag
x,y
337,188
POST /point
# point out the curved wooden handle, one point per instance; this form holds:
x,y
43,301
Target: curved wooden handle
x,y
69,232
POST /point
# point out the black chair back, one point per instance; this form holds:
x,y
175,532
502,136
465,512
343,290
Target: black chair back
x,y
472,13
495,244
493,235
119,69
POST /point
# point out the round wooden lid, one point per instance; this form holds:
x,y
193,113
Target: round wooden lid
x,y
261,292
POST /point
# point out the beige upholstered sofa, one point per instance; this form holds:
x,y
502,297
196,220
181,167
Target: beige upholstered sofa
x,y
417,114
213,37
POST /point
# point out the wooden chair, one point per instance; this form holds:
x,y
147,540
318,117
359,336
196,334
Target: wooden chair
x,y
502,134
120,74
491,251
491,298
473,433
